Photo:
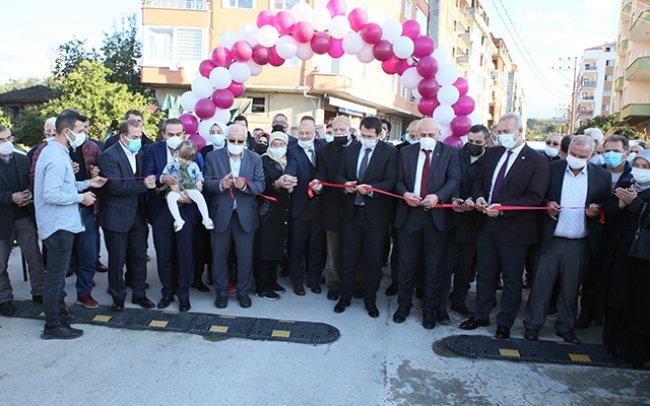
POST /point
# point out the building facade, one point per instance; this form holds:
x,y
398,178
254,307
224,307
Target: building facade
x,y
595,82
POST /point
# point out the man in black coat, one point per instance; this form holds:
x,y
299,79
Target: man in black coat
x,y
130,115
512,174
366,214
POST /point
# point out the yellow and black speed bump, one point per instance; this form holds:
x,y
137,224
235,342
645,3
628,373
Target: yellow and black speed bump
x,y
205,324
541,351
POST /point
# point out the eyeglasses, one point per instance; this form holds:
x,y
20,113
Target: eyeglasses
x,y
553,143
8,139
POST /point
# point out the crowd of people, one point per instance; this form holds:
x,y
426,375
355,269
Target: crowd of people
x,y
336,209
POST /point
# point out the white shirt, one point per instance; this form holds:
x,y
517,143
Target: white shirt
x,y
572,223
131,156
511,161
418,169
235,166
313,149
170,156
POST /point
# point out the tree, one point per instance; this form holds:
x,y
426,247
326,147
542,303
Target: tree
x,y
28,130
69,56
121,50
4,120
14,84
606,124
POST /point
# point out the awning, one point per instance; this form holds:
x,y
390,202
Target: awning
x,y
351,108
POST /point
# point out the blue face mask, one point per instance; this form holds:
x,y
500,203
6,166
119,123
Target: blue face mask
x,y
134,145
613,159
329,138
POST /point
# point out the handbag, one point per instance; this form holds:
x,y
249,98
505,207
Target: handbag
x,y
640,247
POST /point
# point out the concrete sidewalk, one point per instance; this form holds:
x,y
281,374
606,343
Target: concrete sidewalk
x,y
375,362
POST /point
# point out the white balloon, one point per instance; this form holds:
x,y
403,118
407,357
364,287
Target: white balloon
x,y
255,68
352,43
286,47
391,29
403,47
444,114
320,19
204,128
475,118
366,55
228,38
248,32
188,100
411,78
267,36
304,52
447,74
239,72
220,78
440,55
377,15
339,27
202,87
448,95
222,115
301,11
445,131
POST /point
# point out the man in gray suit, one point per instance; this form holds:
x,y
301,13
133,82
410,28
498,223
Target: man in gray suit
x,y
233,179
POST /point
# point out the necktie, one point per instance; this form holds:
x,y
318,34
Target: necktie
x,y
362,171
500,177
425,173
312,156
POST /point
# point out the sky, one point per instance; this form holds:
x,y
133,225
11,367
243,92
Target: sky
x,y
549,30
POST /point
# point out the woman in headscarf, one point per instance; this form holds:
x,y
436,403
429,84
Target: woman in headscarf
x,y
274,217
217,138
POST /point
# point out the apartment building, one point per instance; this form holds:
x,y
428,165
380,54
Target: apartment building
x,y
500,78
595,82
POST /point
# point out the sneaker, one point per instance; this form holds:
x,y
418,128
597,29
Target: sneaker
x,y
7,308
278,288
62,332
208,224
87,301
269,295
178,225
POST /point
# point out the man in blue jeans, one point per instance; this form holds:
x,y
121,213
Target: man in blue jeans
x,y
56,198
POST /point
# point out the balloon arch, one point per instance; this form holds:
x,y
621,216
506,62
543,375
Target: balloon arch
x,y
303,32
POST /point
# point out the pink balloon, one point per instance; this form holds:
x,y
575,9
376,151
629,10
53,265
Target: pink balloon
x,y
242,51
336,49
221,56
460,125
404,66
371,33
197,140
321,43
383,50
222,98
336,7
284,22
428,87
265,17
204,108
454,141
236,88
261,55
462,86
424,46
464,106
427,105
276,60
411,29
206,67
303,32
357,18
427,67
391,65
190,122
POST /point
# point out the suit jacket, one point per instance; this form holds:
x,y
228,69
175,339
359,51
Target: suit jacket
x,y
146,141
222,202
123,199
7,206
331,199
299,165
467,222
381,174
525,184
444,179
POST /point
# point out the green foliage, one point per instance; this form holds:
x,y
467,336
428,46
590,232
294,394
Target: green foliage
x,y
4,120
69,55
20,84
29,129
607,125
121,51
540,128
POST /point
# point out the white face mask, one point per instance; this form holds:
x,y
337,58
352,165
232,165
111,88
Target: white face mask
x,y
412,140
218,140
173,142
508,140
6,148
306,144
235,149
630,157
641,175
78,141
278,152
366,143
427,143
551,152
576,163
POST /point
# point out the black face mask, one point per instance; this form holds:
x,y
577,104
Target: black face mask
x,y
473,149
261,148
340,140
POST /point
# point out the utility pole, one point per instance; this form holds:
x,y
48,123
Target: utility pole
x,y
574,88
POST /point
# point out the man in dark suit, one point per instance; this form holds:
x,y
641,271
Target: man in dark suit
x,y
568,237
17,222
130,115
512,174
428,174
174,250
234,177
306,232
123,217
366,214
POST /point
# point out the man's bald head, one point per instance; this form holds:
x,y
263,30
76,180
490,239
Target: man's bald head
x,y
428,127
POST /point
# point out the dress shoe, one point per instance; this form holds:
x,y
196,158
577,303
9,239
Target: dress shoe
x,y
503,332
333,294
401,314
584,321
531,334
569,337
143,302
442,317
278,288
37,298
428,320
391,290
184,305
165,302
341,305
61,332
221,302
372,310
298,289
315,287
117,306
461,309
7,308
269,295
99,267
473,323
244,301
201,287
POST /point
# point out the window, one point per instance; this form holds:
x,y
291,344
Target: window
x,y
422,19
188,44
164,46
609,78
483,40
238,4
607,93
258,105
408,9
610,62
283,4
158,44
606,107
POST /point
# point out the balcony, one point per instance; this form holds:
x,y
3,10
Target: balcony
x,y
462,59
618,84
640,30
635,112
588,97
586,113
465,36
622,47
178,4
627,8
640,68
589,83
591,68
